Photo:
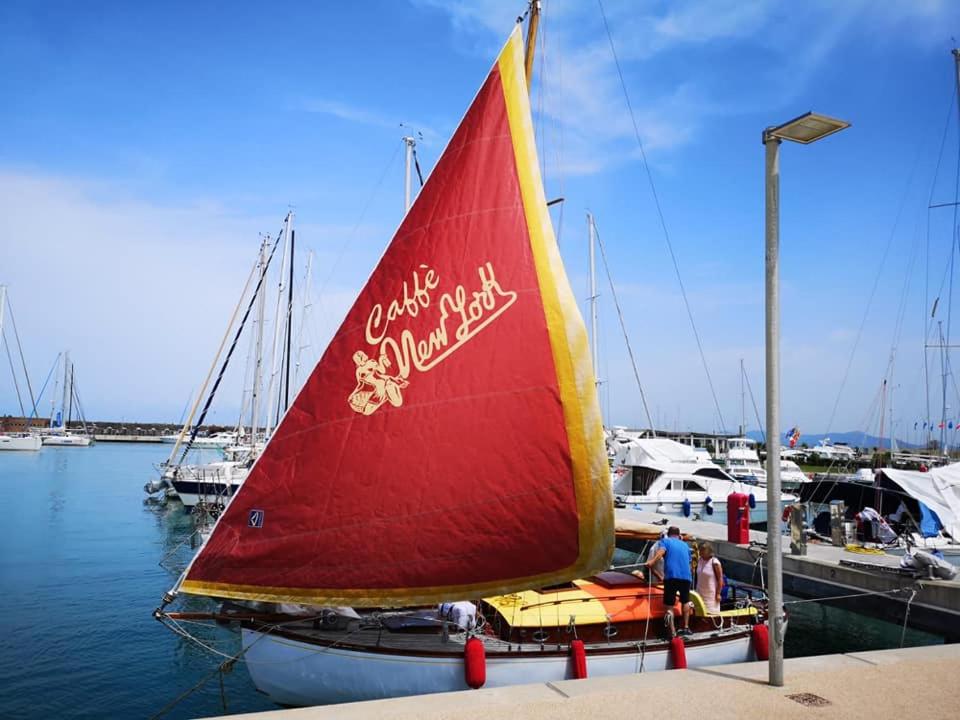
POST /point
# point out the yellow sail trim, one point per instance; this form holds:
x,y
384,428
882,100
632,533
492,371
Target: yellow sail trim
x,y
568,335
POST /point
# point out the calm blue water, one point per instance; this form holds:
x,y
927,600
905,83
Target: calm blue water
x,y
79,578
78,581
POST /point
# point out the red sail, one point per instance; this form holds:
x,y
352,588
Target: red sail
x,y
448,443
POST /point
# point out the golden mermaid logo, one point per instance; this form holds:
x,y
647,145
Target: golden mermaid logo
x,y
460,316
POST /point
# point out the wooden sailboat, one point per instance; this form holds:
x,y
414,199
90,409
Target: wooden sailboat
x,y
396,482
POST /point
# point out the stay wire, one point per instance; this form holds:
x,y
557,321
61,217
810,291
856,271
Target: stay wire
x,y
16,385
763,435
23,362
663,222
363,215
926,290
623,327
873,290
226,361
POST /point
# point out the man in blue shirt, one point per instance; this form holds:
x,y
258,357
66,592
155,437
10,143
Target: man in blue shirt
x,y
676,574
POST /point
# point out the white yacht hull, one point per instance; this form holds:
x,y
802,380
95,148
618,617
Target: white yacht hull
x,y
21,442
215,483
292,672
66,440
758,514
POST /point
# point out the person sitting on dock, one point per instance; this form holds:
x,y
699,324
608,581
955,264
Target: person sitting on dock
x,y
676,573
709,579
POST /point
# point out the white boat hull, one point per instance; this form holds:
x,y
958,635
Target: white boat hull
x,y
66,440
213,483
20,442
758,514
291,672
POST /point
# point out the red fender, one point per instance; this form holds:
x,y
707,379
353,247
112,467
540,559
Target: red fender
x,y
761,642
678,653
474,663
579,655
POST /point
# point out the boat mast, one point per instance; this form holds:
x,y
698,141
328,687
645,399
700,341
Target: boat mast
x,y
258,353
593,301
286,378
943,381
743,404
532,25
274,389
66,389
411,143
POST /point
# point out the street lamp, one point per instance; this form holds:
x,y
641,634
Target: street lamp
x,y
805,129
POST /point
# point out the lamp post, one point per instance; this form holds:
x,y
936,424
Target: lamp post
x,y
805,129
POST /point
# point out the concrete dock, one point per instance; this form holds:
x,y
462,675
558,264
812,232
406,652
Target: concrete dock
x,y
913,682
868,584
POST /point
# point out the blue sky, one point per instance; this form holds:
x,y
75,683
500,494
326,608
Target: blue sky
x,y
146,147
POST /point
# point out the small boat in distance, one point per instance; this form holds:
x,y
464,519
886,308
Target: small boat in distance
x,y
57,434
743,462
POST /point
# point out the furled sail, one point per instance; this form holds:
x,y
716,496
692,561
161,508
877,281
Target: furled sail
x,y
448,444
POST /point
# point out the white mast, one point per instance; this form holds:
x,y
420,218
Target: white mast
x,y
743,403
67,388
593,300
307,306
3,306
411,143
258,352
273,387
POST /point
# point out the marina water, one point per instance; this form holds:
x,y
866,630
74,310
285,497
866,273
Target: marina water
x,y
80,575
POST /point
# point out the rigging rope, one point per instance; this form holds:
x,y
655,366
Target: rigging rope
x,y
663,222
26,375
926,291
16,385
753,402
353,231
226,360
623,327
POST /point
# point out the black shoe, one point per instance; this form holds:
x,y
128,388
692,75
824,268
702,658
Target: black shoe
x,y
684,632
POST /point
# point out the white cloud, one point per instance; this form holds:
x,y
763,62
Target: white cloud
x,y
582,98
140,292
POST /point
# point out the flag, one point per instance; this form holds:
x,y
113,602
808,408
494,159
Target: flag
x,y
794,437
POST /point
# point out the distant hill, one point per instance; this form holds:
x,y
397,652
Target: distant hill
x,y
852,438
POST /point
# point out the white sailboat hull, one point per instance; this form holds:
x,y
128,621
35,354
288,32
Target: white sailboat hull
x,y
66,440
20,442
213,483
297,673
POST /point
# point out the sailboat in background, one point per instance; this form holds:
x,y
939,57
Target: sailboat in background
x,y
59,434
16,440
395,479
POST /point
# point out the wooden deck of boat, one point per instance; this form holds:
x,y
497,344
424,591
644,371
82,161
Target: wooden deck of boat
x,y
873,582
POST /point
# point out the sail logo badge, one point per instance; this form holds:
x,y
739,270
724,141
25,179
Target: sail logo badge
x,y
383,369
255,519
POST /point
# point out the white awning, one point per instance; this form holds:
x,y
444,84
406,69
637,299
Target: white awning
x,y
938,489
